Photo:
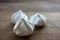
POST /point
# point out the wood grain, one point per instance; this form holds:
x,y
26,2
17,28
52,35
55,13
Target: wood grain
x,y
51,31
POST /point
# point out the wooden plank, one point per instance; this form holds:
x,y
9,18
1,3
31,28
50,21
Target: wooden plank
x,y
49,32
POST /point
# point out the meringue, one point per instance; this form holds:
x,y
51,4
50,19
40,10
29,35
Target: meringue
x,y
38,19
23,26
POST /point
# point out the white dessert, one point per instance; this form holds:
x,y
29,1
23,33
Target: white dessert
x,y
38,19
23,26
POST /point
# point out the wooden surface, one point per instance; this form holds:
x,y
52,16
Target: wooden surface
x,y
49,32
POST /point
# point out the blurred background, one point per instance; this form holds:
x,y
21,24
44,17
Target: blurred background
x,y
56,1
34,5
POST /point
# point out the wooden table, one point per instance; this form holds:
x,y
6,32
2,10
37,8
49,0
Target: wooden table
x,y
49,32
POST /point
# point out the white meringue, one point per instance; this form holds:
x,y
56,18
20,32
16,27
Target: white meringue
x,y
23,26
38,19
